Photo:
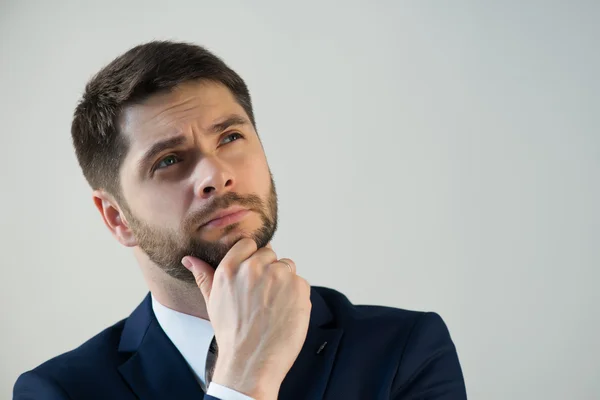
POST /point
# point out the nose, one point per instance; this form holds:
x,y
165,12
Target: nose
x,y
214,178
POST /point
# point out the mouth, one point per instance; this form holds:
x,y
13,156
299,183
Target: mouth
x,y
225,217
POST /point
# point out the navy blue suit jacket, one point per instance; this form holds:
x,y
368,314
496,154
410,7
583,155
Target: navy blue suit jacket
x,y
366,352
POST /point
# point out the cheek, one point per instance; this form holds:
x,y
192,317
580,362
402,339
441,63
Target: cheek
x,y
253,175
159,209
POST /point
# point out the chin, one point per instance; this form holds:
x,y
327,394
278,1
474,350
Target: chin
x,y
231,238
228,235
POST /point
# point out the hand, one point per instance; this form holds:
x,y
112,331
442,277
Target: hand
x,y
259,310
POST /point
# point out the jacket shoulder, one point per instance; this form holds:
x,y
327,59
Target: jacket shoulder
x,y
78,365
348,315
415,347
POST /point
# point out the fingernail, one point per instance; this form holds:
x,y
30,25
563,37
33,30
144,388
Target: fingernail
x,y
186,262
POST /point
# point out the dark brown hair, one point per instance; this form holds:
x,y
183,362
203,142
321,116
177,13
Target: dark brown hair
x,y
144,70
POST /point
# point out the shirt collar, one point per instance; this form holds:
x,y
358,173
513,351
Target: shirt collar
x,y
190,335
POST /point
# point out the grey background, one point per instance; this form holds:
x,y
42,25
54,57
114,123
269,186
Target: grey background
x,y
429,155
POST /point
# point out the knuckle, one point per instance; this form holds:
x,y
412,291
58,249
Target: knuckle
x,y
226,272
265,255
277,273
253,263
270,254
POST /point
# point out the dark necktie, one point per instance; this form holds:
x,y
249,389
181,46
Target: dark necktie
x,y
211,360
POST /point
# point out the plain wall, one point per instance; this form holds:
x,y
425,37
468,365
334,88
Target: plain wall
x,y
440,156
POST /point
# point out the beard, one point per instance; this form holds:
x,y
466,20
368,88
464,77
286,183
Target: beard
x,y
167,248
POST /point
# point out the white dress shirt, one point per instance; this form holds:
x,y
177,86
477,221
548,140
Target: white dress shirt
x,y
192,336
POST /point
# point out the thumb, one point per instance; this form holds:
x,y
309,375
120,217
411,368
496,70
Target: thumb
x,y
203,273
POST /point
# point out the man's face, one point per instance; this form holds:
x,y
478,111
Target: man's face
x,y
194,156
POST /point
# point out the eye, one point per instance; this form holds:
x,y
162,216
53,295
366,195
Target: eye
x,y
231,138
167,161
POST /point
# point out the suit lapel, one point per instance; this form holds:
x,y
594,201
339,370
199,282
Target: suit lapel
x,y
308,377
156,370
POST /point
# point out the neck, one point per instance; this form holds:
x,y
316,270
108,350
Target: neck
x,y
172,293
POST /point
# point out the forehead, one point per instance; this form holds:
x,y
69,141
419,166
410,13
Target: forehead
x,y
197,105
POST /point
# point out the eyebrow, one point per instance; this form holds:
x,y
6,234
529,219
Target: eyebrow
x,y
159,147
231,120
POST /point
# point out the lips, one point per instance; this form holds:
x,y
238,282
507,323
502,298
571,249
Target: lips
x,y
225,217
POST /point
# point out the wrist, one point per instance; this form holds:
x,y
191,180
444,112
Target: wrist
x,y
249,381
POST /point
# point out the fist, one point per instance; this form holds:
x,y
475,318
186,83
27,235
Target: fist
x,y
259,309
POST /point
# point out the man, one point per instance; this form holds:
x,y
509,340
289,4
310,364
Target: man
x,y
166,137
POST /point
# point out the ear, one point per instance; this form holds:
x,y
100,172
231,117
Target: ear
x,y
113,217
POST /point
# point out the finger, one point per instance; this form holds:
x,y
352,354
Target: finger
x,y
287,264
240,252
203,273
262,258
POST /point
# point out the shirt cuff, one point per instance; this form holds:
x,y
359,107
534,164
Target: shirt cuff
x,y
224,393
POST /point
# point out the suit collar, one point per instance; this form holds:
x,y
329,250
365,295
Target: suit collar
x,y
136,326
309,376
320,314
156,370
